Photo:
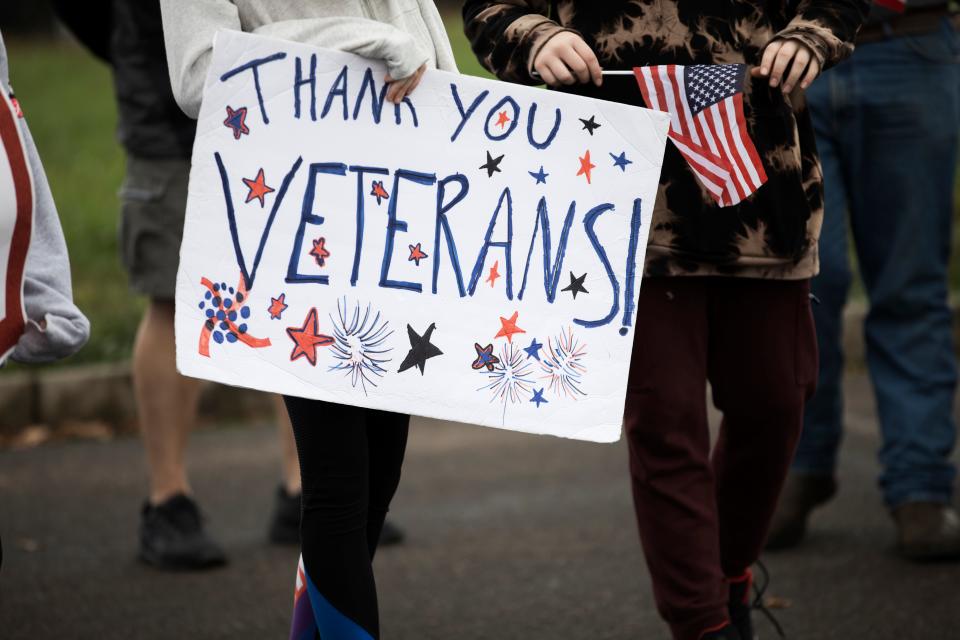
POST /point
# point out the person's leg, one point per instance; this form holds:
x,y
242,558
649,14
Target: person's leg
x,y
166,402
387,433
812,478
666,426
285,521
901,220
290,464
334,452
762,368
823,418
154,198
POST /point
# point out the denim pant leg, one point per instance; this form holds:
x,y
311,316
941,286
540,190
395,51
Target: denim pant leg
x,y
901,213
823,414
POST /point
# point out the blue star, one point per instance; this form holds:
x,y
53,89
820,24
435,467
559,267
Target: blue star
x,y
538,397
533,351
540,176
236,120
621,161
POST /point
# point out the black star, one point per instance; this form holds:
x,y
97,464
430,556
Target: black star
x,y
590,125
576,285
420,349
492,165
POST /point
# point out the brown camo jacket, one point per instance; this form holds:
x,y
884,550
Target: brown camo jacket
x,y
772,234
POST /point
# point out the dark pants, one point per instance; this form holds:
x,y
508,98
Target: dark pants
x,y
350,460
886,124
703,518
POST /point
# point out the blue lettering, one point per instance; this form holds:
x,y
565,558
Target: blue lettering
x,y
308,217
589,221
550,276
254,66
394,225
506,245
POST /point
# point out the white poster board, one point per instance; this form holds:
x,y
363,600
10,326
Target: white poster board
x,y
474,254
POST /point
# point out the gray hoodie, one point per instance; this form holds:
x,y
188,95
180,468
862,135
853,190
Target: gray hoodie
x,y
403,33
55,327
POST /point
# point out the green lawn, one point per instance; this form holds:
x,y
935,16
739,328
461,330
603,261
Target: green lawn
x,y
67,96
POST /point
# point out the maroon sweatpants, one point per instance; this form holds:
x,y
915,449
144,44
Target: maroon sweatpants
x,y
703,519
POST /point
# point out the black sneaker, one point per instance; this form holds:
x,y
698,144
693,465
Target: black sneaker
x,y
391,534
172,536
285,525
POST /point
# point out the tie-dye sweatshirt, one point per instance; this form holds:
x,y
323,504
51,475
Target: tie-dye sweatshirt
x,y
771,234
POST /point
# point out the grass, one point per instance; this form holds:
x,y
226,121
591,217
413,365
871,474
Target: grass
x,y
68,99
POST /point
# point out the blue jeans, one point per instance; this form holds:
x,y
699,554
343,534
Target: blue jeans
x,y
887,124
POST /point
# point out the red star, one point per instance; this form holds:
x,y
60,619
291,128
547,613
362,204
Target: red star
x,y
277,307
502,119
379,191
494,274
306,339
320,252
258,188
416,254
586,166
509,327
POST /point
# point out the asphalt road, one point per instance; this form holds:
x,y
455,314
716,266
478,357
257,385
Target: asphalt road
x,y
510,536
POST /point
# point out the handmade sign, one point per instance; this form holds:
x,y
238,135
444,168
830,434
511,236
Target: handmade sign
x,y
473,254
16,222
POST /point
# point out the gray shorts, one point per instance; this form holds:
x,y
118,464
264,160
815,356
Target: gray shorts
x,y
153,202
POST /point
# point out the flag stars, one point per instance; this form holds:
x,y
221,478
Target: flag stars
x,y
509,327
576,285
258,188
586,166
320,252
590,125
621,161
492,165
540,176
533,351
237,121
538,397
494,273
416,254
277,307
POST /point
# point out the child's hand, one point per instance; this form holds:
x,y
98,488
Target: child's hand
x,y
400,89
567,59
784,53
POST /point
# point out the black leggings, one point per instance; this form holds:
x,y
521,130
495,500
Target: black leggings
x,y
350,461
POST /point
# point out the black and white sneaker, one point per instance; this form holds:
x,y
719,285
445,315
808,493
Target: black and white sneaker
x,y
172,537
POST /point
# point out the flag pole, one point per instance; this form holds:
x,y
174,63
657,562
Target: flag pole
x,y
612,72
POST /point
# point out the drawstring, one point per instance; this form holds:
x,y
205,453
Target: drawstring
x,y
758,604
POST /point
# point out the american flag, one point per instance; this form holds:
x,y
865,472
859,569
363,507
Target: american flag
x,y
705,103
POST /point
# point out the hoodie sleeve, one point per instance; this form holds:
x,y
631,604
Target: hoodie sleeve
x,y
507,35
189,28
828,27
56,328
